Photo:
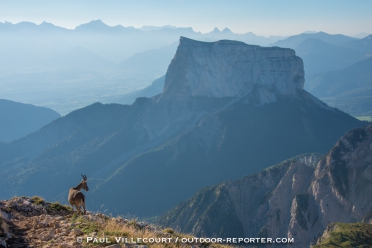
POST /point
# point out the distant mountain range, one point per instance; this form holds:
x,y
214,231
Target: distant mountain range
x,y
349,89
154,89
114,43
18,120
320,56
323,52
363,45
361,35
337,69
227,109
154,61
51,66
113,61
295,40
297,198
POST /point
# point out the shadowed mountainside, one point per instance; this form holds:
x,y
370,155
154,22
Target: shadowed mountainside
x,y
348,89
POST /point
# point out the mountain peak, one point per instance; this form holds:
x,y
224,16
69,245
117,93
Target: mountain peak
x,y
95,24
229,68
226,30
216,30
48,25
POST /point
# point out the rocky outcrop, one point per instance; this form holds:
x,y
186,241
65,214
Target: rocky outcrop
x,y
293,199
32,222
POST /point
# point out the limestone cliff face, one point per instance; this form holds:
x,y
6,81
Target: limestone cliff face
x,y
343,182
207,76
231,69
295,199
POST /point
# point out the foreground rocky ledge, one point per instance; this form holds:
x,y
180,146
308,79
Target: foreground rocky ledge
x,y
32,222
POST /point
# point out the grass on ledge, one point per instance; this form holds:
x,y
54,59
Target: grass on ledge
x,y
106,227
348,235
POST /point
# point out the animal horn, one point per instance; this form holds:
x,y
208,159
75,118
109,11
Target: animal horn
x,y
84,177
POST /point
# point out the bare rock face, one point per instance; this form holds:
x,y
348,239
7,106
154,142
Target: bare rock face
x,y
339,189
343,182
232,69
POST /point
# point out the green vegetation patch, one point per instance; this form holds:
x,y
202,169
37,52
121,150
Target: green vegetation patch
x,y
38,200
56,206
348,235
364,118
168,230
90,227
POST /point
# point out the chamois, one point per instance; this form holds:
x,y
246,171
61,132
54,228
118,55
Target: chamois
x,y
76,198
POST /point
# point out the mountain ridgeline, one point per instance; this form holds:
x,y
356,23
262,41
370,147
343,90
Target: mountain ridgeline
x,y
337,68
18,120
227,109
297,198
349,89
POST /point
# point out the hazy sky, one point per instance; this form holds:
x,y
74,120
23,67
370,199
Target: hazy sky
x,y
262,17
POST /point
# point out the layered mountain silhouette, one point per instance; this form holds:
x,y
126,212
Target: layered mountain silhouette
x,y
119,42
323,52
18,119
334,60
155,88
363,45
227,109
348,89
155,61
297,198
333,39
320,56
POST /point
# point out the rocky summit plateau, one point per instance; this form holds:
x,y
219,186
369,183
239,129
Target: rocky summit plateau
x,y
227,109
232,69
